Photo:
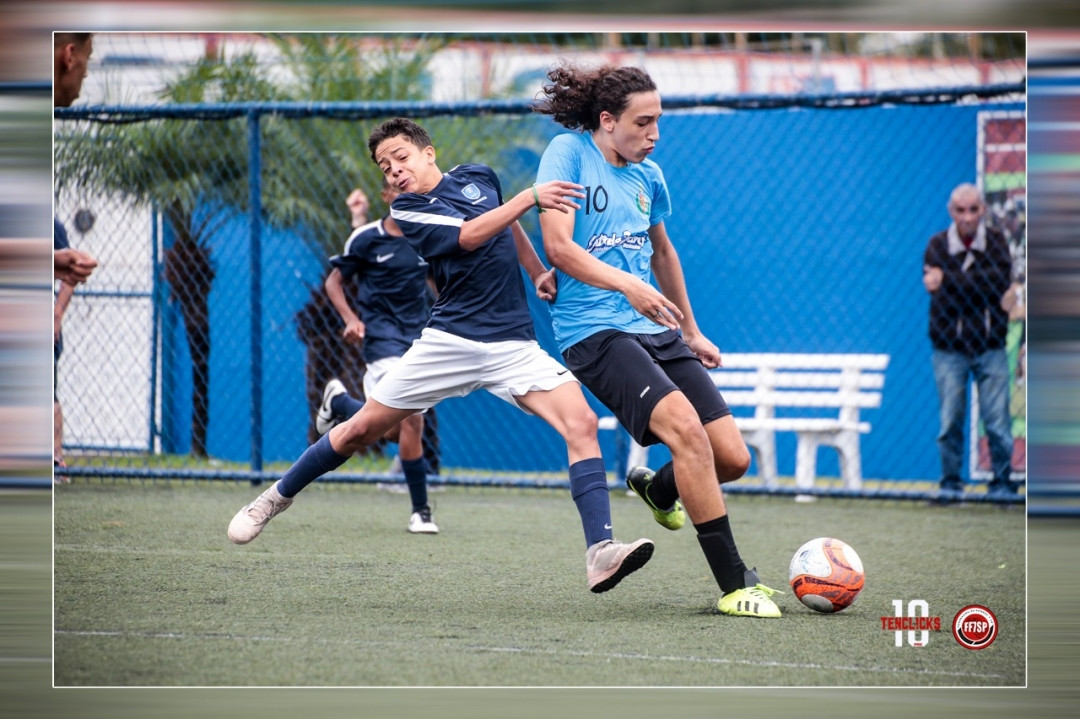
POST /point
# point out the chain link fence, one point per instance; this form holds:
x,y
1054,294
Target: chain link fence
x,y
806,183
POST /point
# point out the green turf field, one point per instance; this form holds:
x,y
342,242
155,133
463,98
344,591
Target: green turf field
x,y
27,690
149,592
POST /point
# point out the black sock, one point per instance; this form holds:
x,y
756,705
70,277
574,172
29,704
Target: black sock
x,y
718,544
662,489
415,471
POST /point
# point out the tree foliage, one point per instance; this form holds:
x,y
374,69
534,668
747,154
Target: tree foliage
x,y
195,172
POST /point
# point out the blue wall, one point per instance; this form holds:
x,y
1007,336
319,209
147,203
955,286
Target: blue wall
x,y
289,270
824,223
799,231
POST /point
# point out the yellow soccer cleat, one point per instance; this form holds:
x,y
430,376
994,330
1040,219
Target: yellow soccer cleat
x,y
753,600
639,479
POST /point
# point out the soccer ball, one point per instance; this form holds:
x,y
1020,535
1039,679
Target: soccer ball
x,y
826,574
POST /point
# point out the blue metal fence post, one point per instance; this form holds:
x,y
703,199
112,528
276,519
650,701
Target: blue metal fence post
x,y
255,218
157,300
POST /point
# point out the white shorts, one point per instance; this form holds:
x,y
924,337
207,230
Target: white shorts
x,y
440,365
376,370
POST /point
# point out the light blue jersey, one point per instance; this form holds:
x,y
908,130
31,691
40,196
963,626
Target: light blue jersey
x,y
620,205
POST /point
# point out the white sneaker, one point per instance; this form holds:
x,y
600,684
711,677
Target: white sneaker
x,y
249,521
607,562
422,523
324,418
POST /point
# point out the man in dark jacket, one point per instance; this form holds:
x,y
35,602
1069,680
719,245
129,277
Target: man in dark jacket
x,y
967,271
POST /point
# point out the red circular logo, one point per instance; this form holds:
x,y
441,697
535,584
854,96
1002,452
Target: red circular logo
x,y
975,627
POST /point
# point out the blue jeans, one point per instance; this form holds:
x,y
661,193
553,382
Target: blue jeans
x,y
990,370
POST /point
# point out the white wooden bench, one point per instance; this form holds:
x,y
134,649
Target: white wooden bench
x,y
768,382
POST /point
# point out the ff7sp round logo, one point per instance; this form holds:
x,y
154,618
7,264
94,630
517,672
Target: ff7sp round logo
x,y
975,627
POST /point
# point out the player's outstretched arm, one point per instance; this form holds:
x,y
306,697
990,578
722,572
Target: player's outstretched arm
x,y
554,195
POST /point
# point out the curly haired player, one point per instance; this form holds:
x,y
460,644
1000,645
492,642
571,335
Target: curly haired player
x,y
639,351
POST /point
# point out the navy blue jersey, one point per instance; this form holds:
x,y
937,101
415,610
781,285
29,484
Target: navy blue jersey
x,y
60,242
60,235
481,292
393,298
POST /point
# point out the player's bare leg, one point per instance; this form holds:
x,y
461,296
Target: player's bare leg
x,y
676,423
731,458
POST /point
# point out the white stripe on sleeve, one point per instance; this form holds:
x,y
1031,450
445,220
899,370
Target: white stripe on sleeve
x,y
426,218
362,228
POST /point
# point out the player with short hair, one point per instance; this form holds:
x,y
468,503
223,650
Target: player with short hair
x,y
639,351
394,303
71,58
480,336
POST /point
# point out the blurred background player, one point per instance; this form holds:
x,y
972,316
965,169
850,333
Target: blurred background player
x,y
639,351
480,335
65,291
967,269
71,56
358,205
394,302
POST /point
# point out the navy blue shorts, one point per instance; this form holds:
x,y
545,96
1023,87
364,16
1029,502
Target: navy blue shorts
x,y
631,373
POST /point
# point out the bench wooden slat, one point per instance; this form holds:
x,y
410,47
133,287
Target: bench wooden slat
x,y
805,361
800,424
755,398
865,380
